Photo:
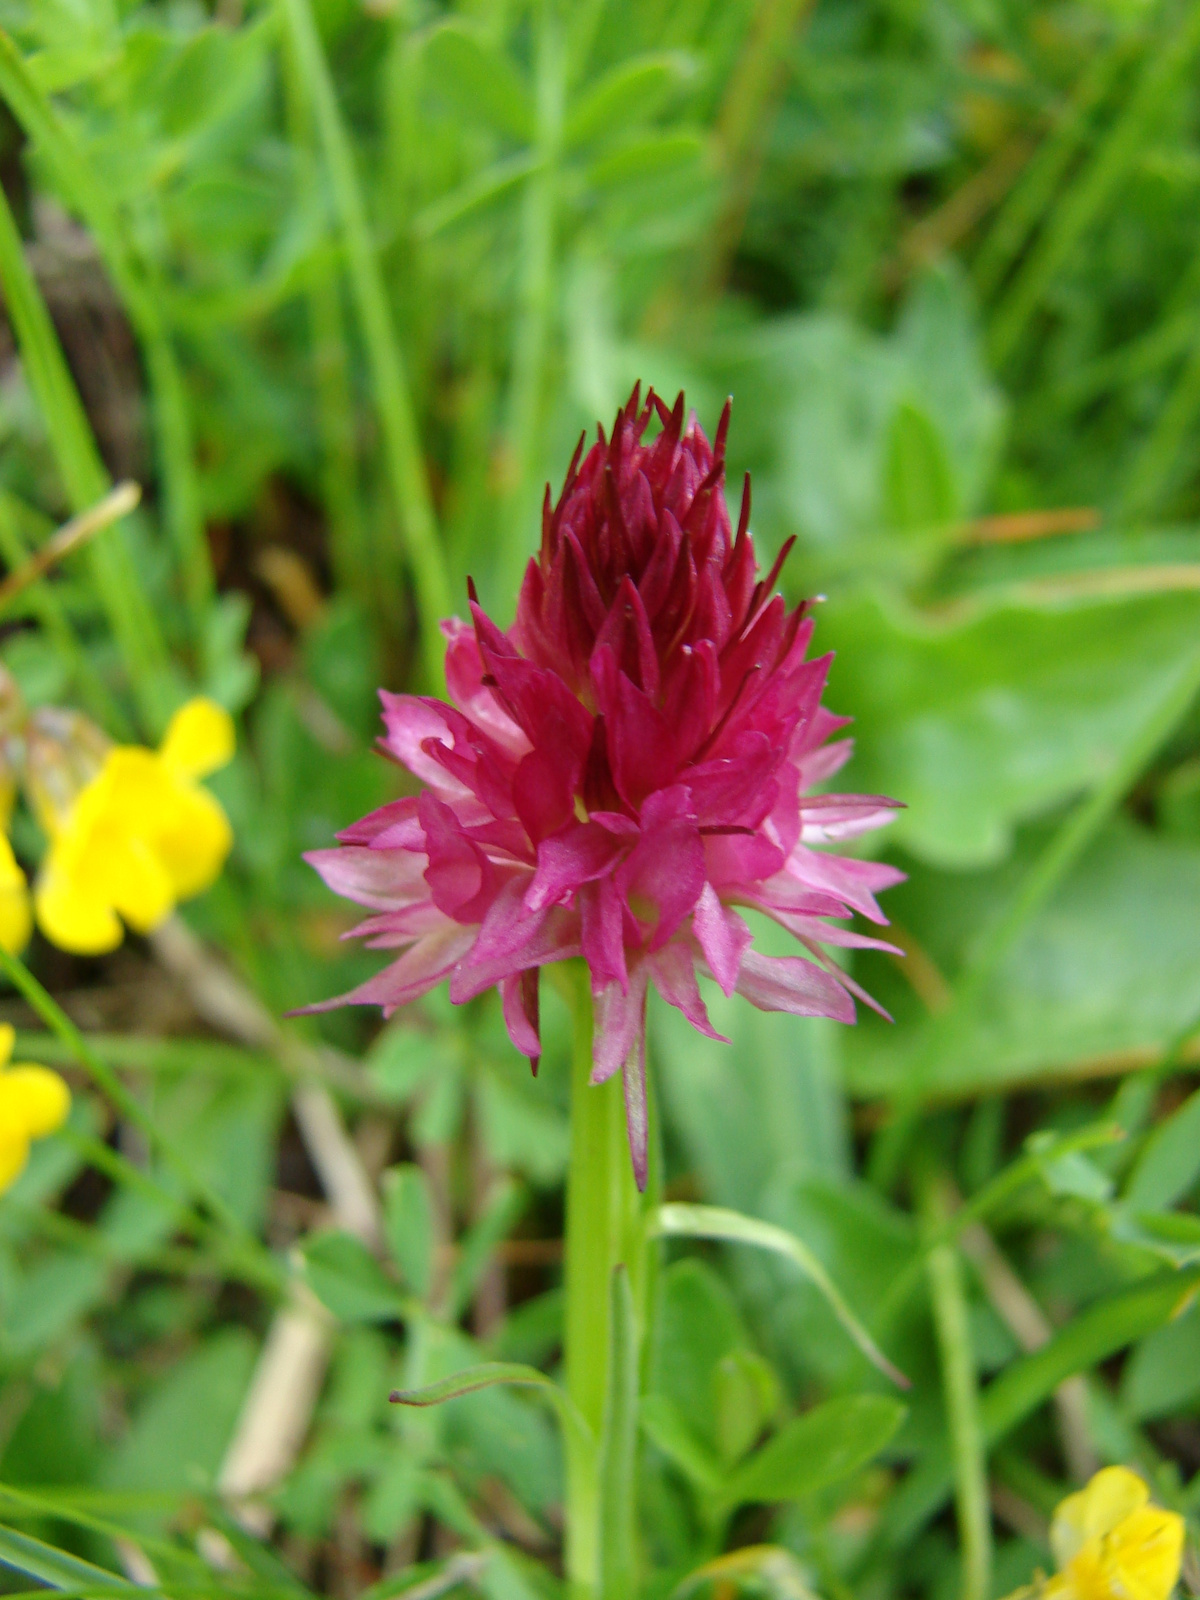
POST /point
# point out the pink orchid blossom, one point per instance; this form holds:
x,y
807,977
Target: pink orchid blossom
x,y
619,772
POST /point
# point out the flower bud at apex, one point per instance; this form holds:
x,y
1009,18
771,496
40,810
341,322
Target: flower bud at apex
x,y
619,772
33,1103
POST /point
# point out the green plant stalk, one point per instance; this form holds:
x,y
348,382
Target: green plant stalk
x,y
960,1390
135,628
603,1230
947,1031
88,195
403,459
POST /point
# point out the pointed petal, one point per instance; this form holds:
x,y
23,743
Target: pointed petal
x,y
637,1120
674,972
620,1019
723,937
786,983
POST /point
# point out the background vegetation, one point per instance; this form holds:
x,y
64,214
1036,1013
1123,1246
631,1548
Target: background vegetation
x,y
339,283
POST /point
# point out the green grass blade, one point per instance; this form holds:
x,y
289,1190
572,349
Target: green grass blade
x,y
403,458
86,192
84,475
715,1222
1093,1336
57,1569
1122,146
960,1391
486,1376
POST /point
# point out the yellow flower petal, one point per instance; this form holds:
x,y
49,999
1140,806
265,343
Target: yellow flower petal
x,y
1138,1560
16,921
200,738
14,1153
1108,1499
71,917
35,1096
193,840
8,1037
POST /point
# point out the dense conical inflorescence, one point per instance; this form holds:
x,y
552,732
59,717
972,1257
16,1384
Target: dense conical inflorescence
x,y
619,772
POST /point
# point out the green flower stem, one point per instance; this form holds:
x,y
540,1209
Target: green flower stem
x,y
604,1229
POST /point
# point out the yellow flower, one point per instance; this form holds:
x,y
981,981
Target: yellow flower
x,y
1110,1543
139,837
16,921
33,1102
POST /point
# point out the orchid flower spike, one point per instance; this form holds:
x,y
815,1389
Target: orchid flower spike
x,y
619,772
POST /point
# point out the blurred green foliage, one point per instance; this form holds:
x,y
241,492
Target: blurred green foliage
x,y
341,283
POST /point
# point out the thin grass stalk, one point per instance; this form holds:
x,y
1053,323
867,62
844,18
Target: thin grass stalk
x,y
948,1030
403,459
1150,475
1114,159
536,293
135,628
1033,195
87,194
749,102
45,604
960,1391
349,542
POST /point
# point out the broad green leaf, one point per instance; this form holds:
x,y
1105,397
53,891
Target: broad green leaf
x,y
629,93
747,1395
408,1224
980,723
478,81
1109,969
59,1289
827,1443
697,1325
1162,1376
647,157
715,1222
180,1432
666,1427
918,492
346,1277
1170,1160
